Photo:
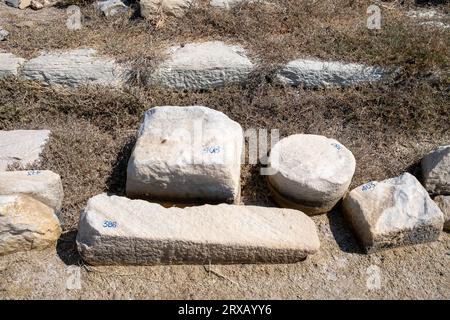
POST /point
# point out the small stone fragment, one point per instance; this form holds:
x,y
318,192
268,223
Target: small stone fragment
x,y
111,7
3,34
36,5
151,9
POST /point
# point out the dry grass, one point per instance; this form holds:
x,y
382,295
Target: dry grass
x,y
273,32
387,128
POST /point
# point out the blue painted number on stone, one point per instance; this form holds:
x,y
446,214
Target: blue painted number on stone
x,y
337,146
33,172
368,186
109,224
212,149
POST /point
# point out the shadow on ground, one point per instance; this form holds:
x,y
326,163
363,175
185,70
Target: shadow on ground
x,y
342,233
117,180
66,248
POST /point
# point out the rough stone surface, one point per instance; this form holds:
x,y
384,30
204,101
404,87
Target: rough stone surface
x,y
21,147
443,203
3,35
425,14
26,224
117,230
203,65
21,4
436,171
36,5
429,18
186,154
314,73
74,68
154,8
393,213
49,3
43,185
9,64
435,24
226,4
111,7
310,172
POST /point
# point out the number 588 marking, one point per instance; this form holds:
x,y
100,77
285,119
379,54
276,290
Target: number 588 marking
x,y
109,224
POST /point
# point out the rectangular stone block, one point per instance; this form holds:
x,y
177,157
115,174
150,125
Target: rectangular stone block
x,y
202,65
21,147
117,230
43,185
186,155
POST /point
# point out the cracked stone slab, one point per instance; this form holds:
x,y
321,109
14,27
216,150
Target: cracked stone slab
x,y
310,172
117,230
26,224
43,185
9,64
74,68
392,213
186,154
436,171
195,66
315,73
21,147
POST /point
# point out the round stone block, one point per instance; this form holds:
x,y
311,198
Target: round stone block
x,y
310,172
